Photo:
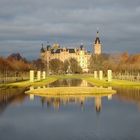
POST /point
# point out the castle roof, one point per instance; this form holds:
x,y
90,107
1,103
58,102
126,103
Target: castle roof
x,y
53,51
48,47
42,49
71,50
56,50
97,40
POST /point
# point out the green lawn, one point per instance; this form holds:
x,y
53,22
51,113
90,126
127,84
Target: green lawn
x,y
28,83
89,78
114,83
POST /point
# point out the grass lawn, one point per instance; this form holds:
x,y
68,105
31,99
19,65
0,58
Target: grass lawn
x,y
28,83
114,83
89,78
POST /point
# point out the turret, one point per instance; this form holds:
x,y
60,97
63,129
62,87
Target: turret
x,y
42,50
48,46
81,46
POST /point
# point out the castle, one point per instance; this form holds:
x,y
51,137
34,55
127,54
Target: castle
x,y
80,54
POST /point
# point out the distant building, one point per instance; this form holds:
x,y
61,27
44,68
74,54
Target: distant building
x,y
80,54
97,45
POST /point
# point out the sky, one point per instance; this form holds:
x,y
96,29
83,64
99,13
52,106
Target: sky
x,y
26,24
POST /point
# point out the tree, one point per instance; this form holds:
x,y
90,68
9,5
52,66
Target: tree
x,y
97,62
66,66
74,66
4,65
56,66
38,64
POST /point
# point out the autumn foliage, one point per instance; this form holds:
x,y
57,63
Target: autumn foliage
x,y
119,63
14,62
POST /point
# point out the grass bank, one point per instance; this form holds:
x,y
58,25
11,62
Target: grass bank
x,y
104,82
72,91
89,78
25,84
114,83
48,80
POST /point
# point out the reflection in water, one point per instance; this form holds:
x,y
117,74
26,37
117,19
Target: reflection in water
x,y
31,97
65,83
98,103
11,96
57,102
70,83
110,97
31,121
129,95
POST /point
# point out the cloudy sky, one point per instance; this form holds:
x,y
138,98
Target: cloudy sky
x,y
26,24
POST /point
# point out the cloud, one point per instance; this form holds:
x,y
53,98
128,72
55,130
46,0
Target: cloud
x,y
32,22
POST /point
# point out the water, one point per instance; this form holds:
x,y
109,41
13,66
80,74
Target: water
x,y
111,117
70,83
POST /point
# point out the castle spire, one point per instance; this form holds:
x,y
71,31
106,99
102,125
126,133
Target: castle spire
x,y
97,33
81,46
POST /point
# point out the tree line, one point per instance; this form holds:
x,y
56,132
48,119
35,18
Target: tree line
x,y
116,62
119,63
19,65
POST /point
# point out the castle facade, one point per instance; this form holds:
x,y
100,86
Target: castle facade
x,y
80,54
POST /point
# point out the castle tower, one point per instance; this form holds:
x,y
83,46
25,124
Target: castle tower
x,y
97,45
42,49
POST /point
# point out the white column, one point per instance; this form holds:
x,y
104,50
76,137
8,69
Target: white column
x,y
101,75
110,88
31,76
95,75
44,75
38,75
109,75
31,88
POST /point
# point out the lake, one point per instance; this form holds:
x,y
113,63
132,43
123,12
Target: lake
x,y
107,117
